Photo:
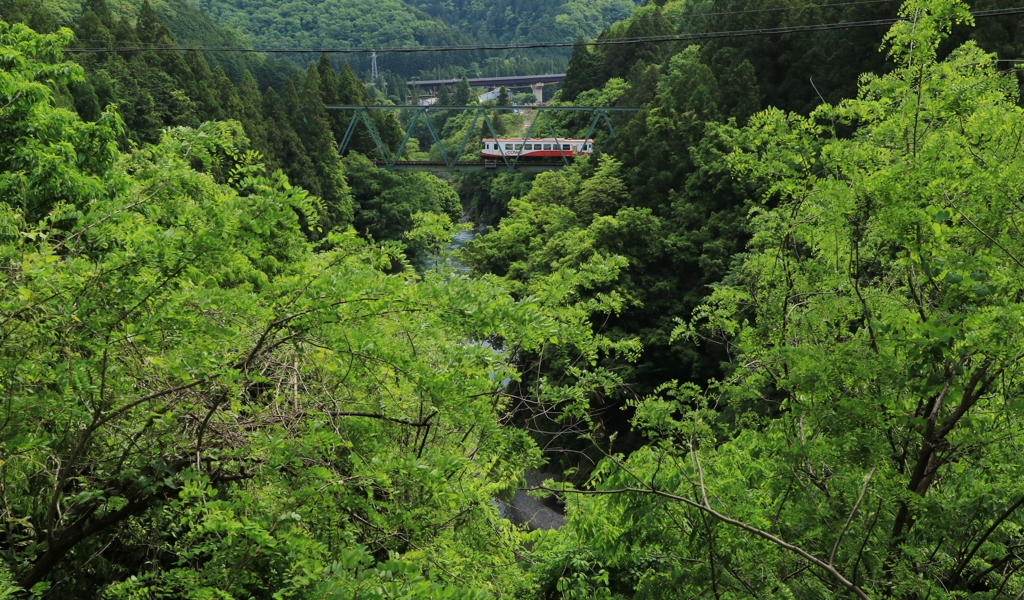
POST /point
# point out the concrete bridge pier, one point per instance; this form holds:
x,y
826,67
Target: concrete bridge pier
x,y
538,92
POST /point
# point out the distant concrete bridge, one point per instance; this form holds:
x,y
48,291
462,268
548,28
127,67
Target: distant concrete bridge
x,y
534,82
517,81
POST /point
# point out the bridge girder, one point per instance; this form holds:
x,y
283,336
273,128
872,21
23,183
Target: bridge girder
x,y
513,81
451,164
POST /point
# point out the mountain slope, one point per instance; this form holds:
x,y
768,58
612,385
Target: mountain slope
x,y
516,21
391,23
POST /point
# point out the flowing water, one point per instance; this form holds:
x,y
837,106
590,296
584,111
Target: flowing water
x,y
523,509
461,239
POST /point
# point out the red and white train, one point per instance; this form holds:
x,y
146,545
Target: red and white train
x,y
536,148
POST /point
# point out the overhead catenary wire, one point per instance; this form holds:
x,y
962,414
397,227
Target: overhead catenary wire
x,y
696,36
680,17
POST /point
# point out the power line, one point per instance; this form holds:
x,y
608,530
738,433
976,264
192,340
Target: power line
x,y
635,19
679,17
529,46
630,19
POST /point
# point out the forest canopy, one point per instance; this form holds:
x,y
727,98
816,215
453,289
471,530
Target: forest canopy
x,y
199,403
411,23
769,335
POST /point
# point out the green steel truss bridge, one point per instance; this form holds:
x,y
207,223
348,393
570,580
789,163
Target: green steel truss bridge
x,y
451,163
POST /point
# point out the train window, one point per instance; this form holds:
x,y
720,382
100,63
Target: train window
x,y
527,146
517,146
566,147
547,146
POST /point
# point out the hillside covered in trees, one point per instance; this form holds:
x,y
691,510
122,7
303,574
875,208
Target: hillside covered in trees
x,y
412,23
770,334
282,112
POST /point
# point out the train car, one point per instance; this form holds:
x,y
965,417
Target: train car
x,y
536,148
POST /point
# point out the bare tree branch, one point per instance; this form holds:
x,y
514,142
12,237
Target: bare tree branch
x,y
738,524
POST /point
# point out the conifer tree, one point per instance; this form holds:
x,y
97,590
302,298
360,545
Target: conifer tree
x,y
201,86
124,35
463,93
87,105
351,91
290,97
581,74
740,96
31,13
498,120
620,58
350,88
330,93
314,130
226,95
444,97
397,88
101,10
149,28
250,114
285,150
94,26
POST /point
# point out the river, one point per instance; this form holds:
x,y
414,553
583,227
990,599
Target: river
x,y
523,509
461,239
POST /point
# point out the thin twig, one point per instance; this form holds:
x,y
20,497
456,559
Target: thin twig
x,y
990,238
856,505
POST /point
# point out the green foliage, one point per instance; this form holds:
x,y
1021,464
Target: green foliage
x,y
39,162
431,234
387,201
863,441
365,23
463,93
663,199
196,404
7,587
555,246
